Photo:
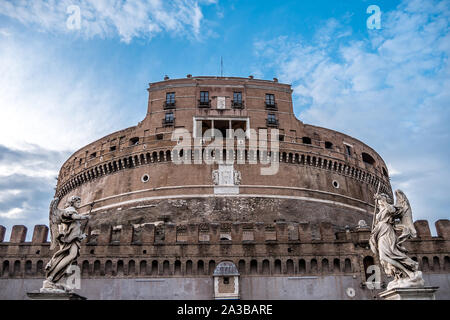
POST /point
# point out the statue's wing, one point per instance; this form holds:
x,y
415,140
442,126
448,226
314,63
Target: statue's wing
x,y
405,215
54,220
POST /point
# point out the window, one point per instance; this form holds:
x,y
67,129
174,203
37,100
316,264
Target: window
x,y
200,267
301,266
112,148
328,145
226,280
204,96
169,118
237,97
270,100
237,100
204,99
290,266
313,265
170,98
306,140
348,150
134,141
325,265
271,119
347,265
367,262
225,236
253,267
367,158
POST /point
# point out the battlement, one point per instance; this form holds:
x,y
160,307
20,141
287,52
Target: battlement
x,y
166,249
219,233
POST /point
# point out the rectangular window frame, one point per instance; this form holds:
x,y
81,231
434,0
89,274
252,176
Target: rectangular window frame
x,y
170,97
204,96
348,150
237,96
270,99
169,117
272,118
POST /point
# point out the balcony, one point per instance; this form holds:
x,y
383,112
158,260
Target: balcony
x,y
169,104
204,104
272,123
168,122
237,104
271,105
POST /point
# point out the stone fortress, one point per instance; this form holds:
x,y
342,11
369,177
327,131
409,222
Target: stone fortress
x,y
202,229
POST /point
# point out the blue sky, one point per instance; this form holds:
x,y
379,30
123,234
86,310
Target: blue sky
x,y
62,88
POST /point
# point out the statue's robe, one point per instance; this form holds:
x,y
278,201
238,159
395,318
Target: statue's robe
x,y
71,236
384,241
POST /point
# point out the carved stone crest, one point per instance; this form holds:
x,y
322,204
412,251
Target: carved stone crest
x,y
226,176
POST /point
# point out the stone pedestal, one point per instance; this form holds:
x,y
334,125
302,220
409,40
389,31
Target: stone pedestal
x,y
54,296
426,293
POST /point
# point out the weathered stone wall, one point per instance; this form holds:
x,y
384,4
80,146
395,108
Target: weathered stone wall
x,y
261,251
234,209
332,287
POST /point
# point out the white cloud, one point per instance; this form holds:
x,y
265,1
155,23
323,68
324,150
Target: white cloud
x,y
5,32
52,105
106,18
27,179
392,171
391,90
7,194
14,213
28,169
49,103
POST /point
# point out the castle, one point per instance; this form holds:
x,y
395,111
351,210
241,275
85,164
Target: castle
x,y
281,211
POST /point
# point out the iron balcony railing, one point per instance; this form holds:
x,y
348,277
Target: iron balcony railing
x,y
168,122
169,104
237,104
271,105
272,122
204,103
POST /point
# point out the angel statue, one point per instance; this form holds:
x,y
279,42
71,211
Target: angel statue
x,y
65,231
385,242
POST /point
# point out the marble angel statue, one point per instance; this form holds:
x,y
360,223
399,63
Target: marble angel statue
x,y
65,231
390,221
